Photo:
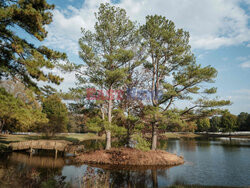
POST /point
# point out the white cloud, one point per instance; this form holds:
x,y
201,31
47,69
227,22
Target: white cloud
x,y
69,79
211,23
245,64
65,30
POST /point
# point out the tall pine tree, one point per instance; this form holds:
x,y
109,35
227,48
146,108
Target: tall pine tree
x,y
175,75
107,53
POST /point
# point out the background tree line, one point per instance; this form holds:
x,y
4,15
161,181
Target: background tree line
x,y
225,123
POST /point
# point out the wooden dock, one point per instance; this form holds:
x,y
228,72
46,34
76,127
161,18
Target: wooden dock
x,y
57,145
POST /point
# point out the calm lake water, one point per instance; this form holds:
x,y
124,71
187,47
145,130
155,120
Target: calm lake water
x,y
214,162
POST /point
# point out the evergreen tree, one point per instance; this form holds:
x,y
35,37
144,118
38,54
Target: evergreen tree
x,y
203,125
57,114
247,128
47,90
175,75
215,123
242,121
20,59
107,53
130,121
228,122
16,115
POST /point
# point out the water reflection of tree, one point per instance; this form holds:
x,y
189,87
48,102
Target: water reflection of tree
x,y
162,144
154,178
21,174
37,161
94,178
188,144
121,178
170,145
131,178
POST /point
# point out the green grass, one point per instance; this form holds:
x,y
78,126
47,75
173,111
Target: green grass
x,y
180,135
79,137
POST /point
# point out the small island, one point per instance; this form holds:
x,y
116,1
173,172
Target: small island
x,y
130,157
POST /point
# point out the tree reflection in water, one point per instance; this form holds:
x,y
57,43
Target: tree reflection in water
x,y
108,177
29,171
21,170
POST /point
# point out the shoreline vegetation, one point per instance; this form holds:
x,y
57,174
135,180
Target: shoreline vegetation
x,y
6,139
205,134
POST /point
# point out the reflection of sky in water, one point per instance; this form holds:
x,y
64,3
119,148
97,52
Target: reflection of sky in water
x,y
210,163
73,173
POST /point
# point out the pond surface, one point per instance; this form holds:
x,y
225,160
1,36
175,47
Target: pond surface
x,y
214,162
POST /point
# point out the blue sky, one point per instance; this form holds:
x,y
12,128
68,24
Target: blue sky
x,y
219,29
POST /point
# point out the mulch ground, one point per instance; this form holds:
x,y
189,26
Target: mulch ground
x,y
129,156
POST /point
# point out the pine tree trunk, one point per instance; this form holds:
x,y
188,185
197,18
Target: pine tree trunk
x,y
128,138
108,140
154,138
108,132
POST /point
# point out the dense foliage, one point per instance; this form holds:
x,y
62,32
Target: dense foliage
x,y
16,115
229,122
57,114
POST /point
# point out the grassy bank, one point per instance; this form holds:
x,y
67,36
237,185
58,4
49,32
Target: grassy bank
x,y
180,135
195,135
6,139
